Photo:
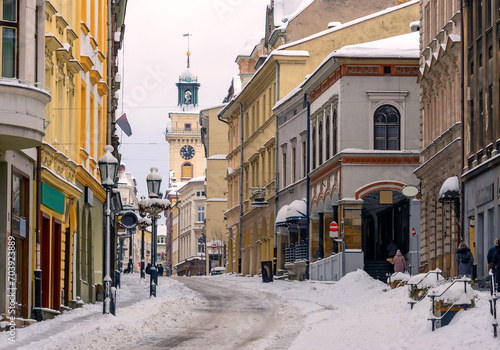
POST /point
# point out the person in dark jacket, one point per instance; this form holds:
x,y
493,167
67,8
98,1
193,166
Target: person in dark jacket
x,y
464,260
160,270
148,268
392,249
496,263
491,252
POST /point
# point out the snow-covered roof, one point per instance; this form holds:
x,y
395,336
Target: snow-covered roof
x,y
122,179
296,210
281,217
286,10
348,24
401,46
197,179
188,76
450,190
217,156
252,41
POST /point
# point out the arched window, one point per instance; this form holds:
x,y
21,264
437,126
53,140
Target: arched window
x,y
327,137
387,122
314,148
187,170
320,142
334,132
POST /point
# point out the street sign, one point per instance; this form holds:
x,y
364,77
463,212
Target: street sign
x,y
334,227
214,246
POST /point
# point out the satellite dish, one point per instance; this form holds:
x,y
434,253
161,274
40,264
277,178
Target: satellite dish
x,y
410,191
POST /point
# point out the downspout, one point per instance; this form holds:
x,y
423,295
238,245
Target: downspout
x,y
241,187
308,182
37,310
276,99
462,120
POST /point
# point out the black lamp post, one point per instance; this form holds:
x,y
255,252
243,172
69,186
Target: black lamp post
x,y
153,207
142,225
108,168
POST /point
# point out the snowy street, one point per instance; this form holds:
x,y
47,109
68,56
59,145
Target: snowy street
x,y
234,312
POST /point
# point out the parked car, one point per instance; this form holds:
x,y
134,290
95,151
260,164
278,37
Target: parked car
x,y
218,270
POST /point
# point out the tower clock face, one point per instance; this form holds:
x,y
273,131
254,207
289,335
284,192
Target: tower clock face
x,y
187,152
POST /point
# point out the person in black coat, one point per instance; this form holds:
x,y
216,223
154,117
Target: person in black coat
x,y
496,264
160,270
148,268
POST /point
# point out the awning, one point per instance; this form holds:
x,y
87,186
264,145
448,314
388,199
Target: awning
x,y
281,217
296,210
450,190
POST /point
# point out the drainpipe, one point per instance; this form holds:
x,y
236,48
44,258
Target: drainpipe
x,y
37,310
462,120
276,181
308,181
241,187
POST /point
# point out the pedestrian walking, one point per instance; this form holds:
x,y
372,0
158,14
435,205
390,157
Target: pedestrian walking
x,y
399,262
464,260
496,264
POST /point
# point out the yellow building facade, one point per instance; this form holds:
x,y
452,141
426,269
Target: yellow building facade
x,y
252,168
71,195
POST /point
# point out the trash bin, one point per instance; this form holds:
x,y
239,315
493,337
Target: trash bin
x,y
267,271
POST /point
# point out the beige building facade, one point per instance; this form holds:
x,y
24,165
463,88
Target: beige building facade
x,y
216,149
440,132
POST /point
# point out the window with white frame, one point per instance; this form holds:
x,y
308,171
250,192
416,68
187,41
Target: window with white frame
x,y
9,34
387,128
201,213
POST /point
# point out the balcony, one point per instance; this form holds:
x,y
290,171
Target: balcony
x,y
182,131
22,114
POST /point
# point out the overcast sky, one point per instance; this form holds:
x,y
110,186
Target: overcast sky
x,y
154,55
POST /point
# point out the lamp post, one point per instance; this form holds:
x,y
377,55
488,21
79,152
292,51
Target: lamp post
x,y
153,207
108,168
142,225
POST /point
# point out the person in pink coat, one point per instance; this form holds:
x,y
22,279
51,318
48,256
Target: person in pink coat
x,y
399,262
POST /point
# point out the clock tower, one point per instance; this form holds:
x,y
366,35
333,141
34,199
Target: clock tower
x,y
187,157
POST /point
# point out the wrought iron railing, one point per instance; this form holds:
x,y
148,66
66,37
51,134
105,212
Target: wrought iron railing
x,y
295,252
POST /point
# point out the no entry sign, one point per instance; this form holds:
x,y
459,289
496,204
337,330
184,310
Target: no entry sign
x,y
214,246
334,227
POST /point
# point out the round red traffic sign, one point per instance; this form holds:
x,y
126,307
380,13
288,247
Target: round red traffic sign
x,y
334,227
214,246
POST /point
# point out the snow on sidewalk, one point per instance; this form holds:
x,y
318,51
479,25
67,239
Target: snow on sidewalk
x,y
357,312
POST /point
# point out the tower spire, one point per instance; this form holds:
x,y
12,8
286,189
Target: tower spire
x,y
187,53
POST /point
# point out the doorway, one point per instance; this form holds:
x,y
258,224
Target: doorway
x,y
385,218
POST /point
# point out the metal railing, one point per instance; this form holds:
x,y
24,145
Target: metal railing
x,y
294,253
414,285
184,131
433,297
493,302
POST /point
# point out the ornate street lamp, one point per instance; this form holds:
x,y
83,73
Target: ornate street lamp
x,y
153,207
142,225
108,168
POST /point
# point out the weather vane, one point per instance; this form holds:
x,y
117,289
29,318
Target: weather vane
x,y
187,53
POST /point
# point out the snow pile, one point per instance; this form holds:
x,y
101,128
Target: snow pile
x,y
456,294
356,312
399,276
427,280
